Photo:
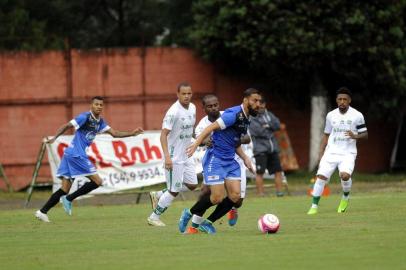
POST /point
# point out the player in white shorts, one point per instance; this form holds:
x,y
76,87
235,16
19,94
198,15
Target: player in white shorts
x,y
344,126
211,107
176,135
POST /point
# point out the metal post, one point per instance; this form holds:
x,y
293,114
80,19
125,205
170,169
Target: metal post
x,y
5,179
36,170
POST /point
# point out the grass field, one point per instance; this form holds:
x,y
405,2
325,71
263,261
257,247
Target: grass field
x,y
371,235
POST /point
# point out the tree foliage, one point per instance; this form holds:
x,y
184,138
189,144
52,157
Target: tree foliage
x,y
46,24
358,43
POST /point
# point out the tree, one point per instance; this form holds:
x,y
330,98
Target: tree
x,y
321,44
45,24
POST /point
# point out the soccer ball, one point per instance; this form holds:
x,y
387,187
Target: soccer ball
x,y
268,223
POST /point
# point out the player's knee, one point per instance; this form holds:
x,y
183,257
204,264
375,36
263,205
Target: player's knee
x,y
345,176
234,196
322,177
191,186
98,182
216,199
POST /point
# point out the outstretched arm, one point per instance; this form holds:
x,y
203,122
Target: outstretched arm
x,y
60,131
199,140
123,134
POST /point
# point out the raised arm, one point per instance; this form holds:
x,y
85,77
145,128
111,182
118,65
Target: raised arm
x,y
60,131
123,134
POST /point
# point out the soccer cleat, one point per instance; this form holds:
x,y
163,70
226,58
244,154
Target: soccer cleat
x,y
67,205
192,230
154,199
207,227
42,216
343,206
280,194
156,222
232,216
312,211
184,220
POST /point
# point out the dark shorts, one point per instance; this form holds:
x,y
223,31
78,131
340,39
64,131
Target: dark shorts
x,y
270,162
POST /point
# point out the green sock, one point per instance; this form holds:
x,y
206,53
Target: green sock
x,y
316,200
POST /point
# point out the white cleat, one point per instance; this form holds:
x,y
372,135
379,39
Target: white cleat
x,y
154,199
156,222
42,216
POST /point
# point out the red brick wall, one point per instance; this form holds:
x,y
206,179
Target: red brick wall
x,y
41,91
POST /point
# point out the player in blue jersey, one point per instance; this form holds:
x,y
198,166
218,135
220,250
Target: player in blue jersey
x,y
220,169
75,162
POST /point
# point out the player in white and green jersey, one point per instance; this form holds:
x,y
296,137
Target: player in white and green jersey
x,y
176,135
344,126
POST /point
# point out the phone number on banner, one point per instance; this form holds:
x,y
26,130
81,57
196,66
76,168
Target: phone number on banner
x,y
116,178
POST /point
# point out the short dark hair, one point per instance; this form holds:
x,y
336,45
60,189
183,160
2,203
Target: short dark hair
x,y
183,84
206,97
344,90
98,98
251,91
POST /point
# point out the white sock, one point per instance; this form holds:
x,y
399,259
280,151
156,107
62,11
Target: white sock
x,y
159,193
318,187
197,220
346,185
163,203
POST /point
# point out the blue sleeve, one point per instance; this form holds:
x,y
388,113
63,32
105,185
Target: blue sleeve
x,y
103,126
229,117
79,120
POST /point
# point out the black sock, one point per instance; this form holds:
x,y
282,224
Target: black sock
x,y
201,205
86,188
221,209
53,200
239,203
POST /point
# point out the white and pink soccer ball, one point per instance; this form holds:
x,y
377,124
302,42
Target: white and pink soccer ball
x,y
268,223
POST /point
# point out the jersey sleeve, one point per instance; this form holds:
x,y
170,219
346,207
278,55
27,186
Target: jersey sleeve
x,y
328,127
79,120
169,119
199,128
103,126
360,124
227,119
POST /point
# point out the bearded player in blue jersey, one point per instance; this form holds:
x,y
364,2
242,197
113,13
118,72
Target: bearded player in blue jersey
x,y
75,161
220,169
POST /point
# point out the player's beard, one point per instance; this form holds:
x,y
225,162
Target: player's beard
x,y
252,112
213,116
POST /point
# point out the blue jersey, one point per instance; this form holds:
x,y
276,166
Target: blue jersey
x,y
234,123
86,126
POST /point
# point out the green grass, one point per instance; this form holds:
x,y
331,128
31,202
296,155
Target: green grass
x,y
371,235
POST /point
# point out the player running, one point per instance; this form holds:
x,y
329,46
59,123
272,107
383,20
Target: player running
x,y
344,126
211,108
220,169
176,135
75,161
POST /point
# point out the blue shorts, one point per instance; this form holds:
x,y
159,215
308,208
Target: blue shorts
x,y
216,170
72,167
